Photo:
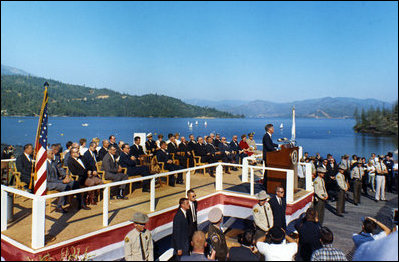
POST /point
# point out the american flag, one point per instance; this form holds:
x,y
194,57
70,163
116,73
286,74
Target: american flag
x,y
41,149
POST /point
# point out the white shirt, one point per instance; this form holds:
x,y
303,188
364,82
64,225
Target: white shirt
x,y
278,252
301,171
28,157
193,211
80,162
82,150
184,212
177,142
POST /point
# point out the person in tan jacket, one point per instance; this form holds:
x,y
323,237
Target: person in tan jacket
x,y
262,214
138,242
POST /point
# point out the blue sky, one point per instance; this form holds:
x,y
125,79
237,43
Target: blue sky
x,y
276,51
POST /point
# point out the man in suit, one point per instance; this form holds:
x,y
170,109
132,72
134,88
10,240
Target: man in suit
x,y
192,212
225,149
180,234
136,149
150,144
112,142
103,150
236,150
164,157
24,164
278,205
113,171
56,181
268,146
192,144
130,163
89,157
214,155
185,153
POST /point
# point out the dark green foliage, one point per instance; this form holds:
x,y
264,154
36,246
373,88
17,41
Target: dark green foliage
x,y
23,95
377,121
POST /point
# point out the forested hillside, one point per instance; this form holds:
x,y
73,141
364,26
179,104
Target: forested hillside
x,y
22,95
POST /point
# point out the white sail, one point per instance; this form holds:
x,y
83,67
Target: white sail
x,y
190,125
293,130
281,126
196,122
205,123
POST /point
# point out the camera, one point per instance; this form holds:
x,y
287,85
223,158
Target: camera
x,y
209,247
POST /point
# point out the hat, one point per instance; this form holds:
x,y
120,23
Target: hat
x,y
215,215
262,195
140,218
149,134
342,166
321,170
251,134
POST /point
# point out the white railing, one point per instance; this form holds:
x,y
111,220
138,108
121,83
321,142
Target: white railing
x,y
39,202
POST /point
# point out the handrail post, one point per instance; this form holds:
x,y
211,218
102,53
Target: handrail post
x,y
188,181
244,176
252,186
4,211
152,195
105,206
219,177
290,186
308,177
38,222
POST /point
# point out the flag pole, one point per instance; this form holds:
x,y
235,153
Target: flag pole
x,y
45,98
293,129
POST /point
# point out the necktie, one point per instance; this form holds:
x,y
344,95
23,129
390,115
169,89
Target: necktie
x,y
193,211
142,248
267,218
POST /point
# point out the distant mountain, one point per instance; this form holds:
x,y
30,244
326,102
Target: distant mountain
x,y
8,70
22,95
327,107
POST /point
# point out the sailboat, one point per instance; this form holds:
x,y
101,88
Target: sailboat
x,y
196,122
205,123
190,125
281,126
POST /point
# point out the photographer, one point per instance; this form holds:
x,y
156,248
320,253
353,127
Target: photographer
x,y
369,226
246,252
278,249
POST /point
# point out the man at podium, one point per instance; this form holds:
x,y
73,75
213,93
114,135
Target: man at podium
x,y
268,146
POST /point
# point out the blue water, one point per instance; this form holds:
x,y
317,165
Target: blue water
x,y
334,136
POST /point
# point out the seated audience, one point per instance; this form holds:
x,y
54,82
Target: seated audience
x,y
24,164
82,148
113,171
103,150
58,181
236,150
158,142
244,145
133,169
150,144
164,157
136,149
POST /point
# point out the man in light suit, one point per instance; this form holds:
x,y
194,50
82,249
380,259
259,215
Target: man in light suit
x,y
113,170
180,235
268,146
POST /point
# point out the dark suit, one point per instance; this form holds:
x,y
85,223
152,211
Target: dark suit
x,y
136,151
163,156
183,147
89,161
200,151
268,146
150,145
235,149
278,212
101,153
110,166
54,181
192,225
192,145
133,169
331,184
76,169
25,167
180,235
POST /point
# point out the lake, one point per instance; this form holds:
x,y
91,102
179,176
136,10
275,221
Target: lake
x,y
334,136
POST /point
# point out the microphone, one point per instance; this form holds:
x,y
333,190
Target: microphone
x,y
282,139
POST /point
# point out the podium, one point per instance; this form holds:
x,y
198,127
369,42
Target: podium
x,y
286,158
